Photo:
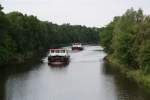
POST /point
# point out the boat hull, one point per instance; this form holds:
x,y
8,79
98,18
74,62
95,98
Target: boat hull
x,y
77,48
58,60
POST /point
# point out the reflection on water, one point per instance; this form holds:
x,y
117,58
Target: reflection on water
x,y
126,89
87,77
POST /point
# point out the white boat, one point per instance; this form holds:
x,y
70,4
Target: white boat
x,y
58,56
77,46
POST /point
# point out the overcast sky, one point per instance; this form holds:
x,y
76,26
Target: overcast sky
x,y
84,12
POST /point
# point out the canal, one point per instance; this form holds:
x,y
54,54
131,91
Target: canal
x,y
87,77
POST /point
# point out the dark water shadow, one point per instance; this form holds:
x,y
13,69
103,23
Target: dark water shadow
x,y
7,71
126,88
58,66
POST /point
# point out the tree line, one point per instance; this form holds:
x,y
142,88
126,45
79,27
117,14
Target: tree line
x,y
127,39
22,36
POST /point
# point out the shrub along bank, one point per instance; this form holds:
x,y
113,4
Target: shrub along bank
x,y
127,41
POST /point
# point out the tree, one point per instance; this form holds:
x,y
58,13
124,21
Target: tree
x,y
130,39
144,56
23,36
6,42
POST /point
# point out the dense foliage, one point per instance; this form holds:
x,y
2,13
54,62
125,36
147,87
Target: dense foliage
x,y
22,36
127,39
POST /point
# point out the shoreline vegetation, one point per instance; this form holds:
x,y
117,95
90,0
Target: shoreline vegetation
x,y
23,37
127,42
142,79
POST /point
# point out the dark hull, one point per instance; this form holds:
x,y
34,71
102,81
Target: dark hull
x,y
58,60
77,48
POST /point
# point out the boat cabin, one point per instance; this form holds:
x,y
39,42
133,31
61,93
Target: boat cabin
x,y
77,46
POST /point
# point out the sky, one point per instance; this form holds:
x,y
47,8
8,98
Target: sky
x,y
92,13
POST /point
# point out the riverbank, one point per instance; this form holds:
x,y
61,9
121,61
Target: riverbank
x,y
36,55
22,59
143,80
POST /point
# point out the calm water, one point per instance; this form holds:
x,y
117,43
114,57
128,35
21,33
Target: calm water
x,y
87,77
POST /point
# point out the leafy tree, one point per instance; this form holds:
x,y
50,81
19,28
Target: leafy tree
x,y
128,39
6,43
144,56
23,36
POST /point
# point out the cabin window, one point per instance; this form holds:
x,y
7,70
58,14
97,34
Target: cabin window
x,y
63,51
57,51
52,51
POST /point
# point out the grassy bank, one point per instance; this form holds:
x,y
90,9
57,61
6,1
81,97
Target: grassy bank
x,y
143,80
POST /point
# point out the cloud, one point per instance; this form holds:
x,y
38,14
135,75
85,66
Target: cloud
x,y
84,12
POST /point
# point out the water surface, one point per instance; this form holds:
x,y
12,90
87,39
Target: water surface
x,y
87,77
